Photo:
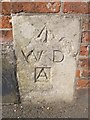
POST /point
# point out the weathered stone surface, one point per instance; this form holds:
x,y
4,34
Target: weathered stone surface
x,y
47,51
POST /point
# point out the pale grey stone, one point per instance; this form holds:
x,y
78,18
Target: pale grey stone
x,y
47,49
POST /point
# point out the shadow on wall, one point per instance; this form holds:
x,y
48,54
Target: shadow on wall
x,y
10,89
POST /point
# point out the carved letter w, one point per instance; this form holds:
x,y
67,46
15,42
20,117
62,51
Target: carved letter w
x,y
37,55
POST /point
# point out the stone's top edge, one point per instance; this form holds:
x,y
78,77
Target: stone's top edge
x,y
63,17
40,15
44,0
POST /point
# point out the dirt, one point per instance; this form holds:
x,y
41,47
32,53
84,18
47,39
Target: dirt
x,y
57,109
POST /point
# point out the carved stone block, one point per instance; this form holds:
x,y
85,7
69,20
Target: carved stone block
x,y
47,51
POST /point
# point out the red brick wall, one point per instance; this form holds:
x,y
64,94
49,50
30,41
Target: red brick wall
x,y
76,8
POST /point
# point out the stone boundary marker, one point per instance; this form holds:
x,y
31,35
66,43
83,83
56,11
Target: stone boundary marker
x,y
81,9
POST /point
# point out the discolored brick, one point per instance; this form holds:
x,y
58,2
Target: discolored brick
x,y
5,22
6,35
86,23
83,83
78,74
84,50
84,62
5,8
86,36
85,73
36,7
76,7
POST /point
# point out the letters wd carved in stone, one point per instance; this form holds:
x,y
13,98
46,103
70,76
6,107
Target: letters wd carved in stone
x,y
42,74
57,55
46,63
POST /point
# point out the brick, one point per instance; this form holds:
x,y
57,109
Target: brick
x,y
6,35
84,83
5,8
83,62
89,63
5,22
86,23
84,50
36,7
86,26
17,7
78,73
76,7
86,36
85,73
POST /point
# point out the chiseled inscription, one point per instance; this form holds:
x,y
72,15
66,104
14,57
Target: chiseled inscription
x,y
42,73
57,56
37,55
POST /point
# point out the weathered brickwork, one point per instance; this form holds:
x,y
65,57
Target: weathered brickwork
x,y
76,8
33,7
6,35
83,68
5,22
